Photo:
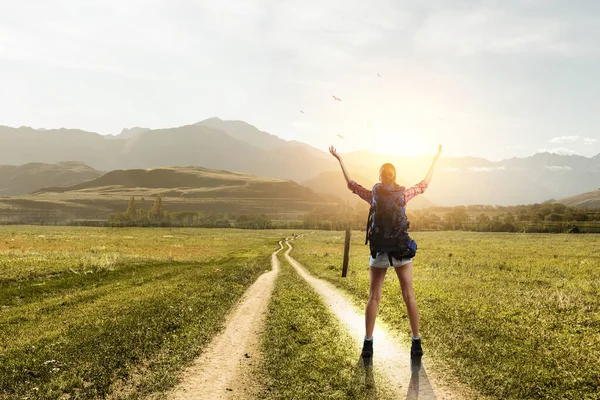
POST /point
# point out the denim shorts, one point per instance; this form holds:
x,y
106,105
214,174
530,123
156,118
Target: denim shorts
x,y
383,261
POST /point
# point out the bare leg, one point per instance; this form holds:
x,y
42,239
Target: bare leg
x,y
406,284
377,278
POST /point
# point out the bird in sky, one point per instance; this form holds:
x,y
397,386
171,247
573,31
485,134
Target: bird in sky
x,y
336,98
440,118
378,75
302,111
340,136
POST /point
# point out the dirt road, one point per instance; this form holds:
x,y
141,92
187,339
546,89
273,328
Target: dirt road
x,y
225,370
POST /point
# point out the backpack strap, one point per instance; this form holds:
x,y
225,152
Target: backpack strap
x,y
371,212
394,254
368,225
369,220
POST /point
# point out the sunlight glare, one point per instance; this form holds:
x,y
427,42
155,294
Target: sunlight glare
x,y
400,144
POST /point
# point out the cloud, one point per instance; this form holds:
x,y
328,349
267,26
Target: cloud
x,y
487,169
565,139
558,168
589,140
492,29
74,36
563,151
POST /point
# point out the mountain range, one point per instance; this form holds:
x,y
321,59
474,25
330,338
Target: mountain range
x,y
240,147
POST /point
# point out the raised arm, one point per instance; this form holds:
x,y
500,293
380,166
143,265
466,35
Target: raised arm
x,y
420,187
430,173
334,153
363,193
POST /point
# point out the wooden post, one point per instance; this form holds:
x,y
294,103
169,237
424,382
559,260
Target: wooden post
x,y
346,253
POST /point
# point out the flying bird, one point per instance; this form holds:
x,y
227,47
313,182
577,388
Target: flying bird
x,y
378,75
340,136
440,118
336,98
302,111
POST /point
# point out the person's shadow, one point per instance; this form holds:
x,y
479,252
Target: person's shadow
x,y
418,388
366,364
419,383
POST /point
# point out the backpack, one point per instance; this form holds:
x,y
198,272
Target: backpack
x,y
387,225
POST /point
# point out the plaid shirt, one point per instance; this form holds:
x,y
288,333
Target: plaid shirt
x,y
367,195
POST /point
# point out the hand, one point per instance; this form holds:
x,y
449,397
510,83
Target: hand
x,y
334,153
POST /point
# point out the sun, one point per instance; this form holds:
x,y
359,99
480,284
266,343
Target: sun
x,y
400,144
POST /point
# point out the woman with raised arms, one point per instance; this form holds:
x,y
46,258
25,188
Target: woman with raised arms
x,y
390,244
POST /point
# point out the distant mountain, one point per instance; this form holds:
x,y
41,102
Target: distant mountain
x,y
589,199
128,133
471,180
26,178
245,132
241,147
182,188
190,145
333,183
187,145
26,145
252,135
297,159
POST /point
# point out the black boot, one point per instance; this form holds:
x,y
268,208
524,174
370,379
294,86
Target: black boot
x,y
367,350
416,350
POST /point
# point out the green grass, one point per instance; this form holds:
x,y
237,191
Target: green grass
x,y
514,316
74,327
307,354
116,313
31,252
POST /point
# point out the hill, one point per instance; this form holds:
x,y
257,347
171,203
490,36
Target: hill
x,y
193,182
192,189
588,200
26,178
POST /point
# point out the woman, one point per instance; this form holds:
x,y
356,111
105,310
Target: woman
x,y
378,265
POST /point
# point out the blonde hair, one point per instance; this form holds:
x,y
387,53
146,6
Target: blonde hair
x,y
387,173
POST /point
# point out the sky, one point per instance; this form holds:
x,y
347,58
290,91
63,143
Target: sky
x,y
493,79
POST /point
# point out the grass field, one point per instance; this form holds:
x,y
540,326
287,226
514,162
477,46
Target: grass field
x,y
117,313
101,313
514,316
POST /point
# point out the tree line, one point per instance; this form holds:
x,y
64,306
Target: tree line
x,y
157,216
546,217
